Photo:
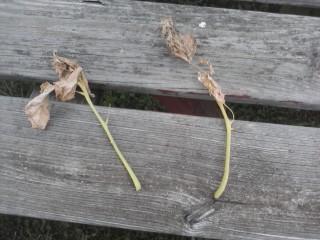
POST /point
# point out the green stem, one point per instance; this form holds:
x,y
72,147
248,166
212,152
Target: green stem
x,y
225,177
105,127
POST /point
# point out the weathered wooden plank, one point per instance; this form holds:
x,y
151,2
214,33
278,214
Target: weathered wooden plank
x,y
299,3
69,172
259,57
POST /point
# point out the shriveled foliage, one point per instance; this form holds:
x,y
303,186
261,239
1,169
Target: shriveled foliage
x,y
206,78
37,110
183,46
69,73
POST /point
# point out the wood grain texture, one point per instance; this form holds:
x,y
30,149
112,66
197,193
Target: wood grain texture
x,y
300,3
259,57
70,173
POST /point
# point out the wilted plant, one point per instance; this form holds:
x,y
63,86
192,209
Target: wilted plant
x,y
71,76
181,46
184,47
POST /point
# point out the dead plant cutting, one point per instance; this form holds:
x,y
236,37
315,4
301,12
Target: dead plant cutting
x,y
71,76
184,46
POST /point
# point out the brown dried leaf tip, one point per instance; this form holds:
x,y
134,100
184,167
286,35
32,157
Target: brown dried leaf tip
x,y
37,109
206,78
69,73
181,46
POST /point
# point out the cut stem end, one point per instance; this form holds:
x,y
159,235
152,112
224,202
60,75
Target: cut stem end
x,y
105,127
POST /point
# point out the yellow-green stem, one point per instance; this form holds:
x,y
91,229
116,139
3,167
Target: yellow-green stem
x,y
225,177
105,127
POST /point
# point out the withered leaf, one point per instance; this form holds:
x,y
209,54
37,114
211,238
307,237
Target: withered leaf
x,y
63,66
66,88
37,109
206,78
69,73
179,45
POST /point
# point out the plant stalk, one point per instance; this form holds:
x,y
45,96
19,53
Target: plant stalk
x,y
225,177
105,127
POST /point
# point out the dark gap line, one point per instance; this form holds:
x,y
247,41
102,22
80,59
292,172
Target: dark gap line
x,y
29,228
250,6
195,107
93,2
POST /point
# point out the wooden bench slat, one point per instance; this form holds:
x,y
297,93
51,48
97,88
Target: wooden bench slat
x,y
259,57
70,173
299,3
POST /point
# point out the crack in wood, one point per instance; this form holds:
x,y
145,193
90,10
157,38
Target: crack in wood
x,y
97,2
200,213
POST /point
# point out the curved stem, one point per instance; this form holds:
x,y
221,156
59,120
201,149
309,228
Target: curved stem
x,y
225,177
105,127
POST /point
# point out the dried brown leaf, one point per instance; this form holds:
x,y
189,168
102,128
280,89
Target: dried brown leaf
x,y
45,87
203,61
63,66
66,88
69,73
181,46
206,78
37,109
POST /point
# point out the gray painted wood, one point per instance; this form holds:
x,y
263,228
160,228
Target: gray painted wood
x,y
70,173
299,3
259,57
